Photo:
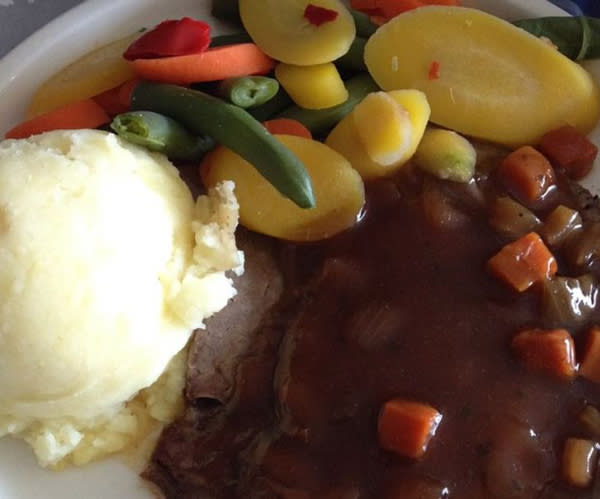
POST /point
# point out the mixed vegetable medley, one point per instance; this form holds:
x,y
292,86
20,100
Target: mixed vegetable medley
x,y
308,103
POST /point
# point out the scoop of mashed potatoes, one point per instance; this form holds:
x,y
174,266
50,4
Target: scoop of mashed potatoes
x,y
106,267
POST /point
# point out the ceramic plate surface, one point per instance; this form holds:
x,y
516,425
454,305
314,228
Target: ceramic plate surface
x,y
90,25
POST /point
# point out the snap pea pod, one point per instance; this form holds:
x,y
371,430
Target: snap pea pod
x,y
354,59
248,91
278,103
576,37
233,127
319,121
161,134
230,39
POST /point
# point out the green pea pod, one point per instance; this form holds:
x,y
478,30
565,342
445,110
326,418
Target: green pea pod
x,y
319,121
233,127
576,37
248,91
162,134
278,103
354,59
231,39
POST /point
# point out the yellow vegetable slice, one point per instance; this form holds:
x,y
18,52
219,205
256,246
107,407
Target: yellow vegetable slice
x,y
312,87
92,74
338,189
346,139
280,29
495,80
383,127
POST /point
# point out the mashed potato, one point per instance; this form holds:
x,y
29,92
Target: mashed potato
x,y
106,267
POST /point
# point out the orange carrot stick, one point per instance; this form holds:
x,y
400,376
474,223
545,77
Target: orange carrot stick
x,y
80,114
287,126
214,64
551,352
590,364
523,262
527,174
406,427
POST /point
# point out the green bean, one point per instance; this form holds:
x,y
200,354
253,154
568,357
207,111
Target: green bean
x,y
233,127
230,39
354,59
278,103
364,27
162,134
576,37
320,120
248,91
226,10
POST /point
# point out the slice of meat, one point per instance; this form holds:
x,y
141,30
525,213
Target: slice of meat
x,y
215,351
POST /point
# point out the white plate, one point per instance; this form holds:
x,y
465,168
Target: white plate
x,y
84,28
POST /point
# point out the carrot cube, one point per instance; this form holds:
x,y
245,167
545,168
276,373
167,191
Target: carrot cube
x,y
569,149
523,262
406,427
527,174
548,351
590,364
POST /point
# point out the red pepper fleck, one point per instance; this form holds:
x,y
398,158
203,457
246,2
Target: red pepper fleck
x,y
171,38
319,15
434,71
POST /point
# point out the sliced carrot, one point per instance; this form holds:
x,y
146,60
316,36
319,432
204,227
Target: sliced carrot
x,y
523,262
590,364
567,148
80,114
406,427
548,351
527,174
214,64
287,126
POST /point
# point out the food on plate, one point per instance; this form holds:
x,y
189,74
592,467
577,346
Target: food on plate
x,y
494,80
419,313
107,266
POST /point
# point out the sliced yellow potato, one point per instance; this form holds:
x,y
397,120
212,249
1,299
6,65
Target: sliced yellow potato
x,y
338,189
94,73
383,127
351,135
280,29
495,80
312,87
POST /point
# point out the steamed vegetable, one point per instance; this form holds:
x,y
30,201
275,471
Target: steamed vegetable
x,y
248,91
312,87
281,29
576,37
161,134
233,127
447,155
321,120
214,64
493,80
338,191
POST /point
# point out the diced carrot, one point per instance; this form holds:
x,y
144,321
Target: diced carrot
x,y
80,114
406,427
214,64
548,351
523,262
590,363
567,148
527,174
287,126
